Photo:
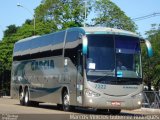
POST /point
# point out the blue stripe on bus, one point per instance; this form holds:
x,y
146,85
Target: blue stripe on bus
x,y
46,90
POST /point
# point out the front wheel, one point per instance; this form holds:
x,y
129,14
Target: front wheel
x,y
102,111
114,111
66,101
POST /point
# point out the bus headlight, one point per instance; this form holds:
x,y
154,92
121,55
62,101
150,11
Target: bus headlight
x,y
90,93
139,95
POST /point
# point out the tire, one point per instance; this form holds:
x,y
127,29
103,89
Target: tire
x,y
66,101
59,106
21,97
114,111
34,103
102,111
26,98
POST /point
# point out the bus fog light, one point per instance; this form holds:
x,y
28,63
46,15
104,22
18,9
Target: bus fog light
x,y
90,100
139,95
139,102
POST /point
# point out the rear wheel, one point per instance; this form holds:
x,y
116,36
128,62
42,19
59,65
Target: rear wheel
x,y
114,111
26,98
21,96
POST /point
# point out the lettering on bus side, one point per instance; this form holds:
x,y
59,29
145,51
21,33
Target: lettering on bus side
x,y
43,64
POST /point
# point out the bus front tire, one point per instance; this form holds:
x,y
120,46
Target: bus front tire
x,y
114,111
102,111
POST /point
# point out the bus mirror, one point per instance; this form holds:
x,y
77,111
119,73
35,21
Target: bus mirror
x,y
149,48
85,44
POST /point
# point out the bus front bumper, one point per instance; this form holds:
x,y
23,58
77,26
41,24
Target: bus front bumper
x,y
105,102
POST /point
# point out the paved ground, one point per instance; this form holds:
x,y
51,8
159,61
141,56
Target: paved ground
x,y
12,107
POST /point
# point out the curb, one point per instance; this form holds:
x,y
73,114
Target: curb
x,y
6,97
149,110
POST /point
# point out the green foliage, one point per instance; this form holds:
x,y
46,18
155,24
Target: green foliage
x,y
64,13
10,30
151,66
70,13
110,15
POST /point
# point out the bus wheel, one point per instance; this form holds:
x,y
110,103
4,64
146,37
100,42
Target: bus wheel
x,y
66,101
114,111
21,97
26,98
59,106
34,103
102,111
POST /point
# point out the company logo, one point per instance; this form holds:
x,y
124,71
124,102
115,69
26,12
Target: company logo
x,y
130,87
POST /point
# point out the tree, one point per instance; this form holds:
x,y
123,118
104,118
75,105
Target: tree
x,y
64,13
109,14
70,13
11,29
151,66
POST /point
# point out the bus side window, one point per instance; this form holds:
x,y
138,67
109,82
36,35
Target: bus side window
x,y
40,65
33,65
46,64
36,65
51,64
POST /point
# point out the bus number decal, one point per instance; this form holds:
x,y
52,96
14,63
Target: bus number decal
x,y
100,86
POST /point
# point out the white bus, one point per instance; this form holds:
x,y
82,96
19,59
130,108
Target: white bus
x,y
91,67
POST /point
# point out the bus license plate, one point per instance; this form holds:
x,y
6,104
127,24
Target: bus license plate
x,y
115,103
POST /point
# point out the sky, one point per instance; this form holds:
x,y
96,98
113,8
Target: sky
x,y
11,14
139,8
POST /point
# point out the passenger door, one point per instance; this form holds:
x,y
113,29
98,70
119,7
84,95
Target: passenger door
x,y
79,81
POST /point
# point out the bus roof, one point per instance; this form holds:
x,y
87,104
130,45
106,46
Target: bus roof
x,y
107,30
54,41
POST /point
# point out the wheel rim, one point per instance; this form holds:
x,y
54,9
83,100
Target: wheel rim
x,y
21,96
26,97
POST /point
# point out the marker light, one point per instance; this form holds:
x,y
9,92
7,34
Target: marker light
x,y
90,100
85,44
139,102
149,48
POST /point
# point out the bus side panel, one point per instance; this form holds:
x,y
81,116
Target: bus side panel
x,y
45,85
17,79
13,90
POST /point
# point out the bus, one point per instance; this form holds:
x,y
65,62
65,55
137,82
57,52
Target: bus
x,y
90,67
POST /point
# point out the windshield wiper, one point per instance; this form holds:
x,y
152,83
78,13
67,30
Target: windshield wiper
x,y
99,79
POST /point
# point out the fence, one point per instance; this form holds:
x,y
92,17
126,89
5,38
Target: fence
x,y
151,99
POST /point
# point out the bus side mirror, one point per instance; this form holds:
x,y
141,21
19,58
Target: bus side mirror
x,y
84,45
149,48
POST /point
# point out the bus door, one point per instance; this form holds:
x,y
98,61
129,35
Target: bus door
x,y
79,81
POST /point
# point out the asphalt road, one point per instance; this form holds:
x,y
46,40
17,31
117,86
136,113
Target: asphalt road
x,y
10,109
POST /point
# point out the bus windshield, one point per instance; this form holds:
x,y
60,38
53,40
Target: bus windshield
x,y
128,61
113,57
